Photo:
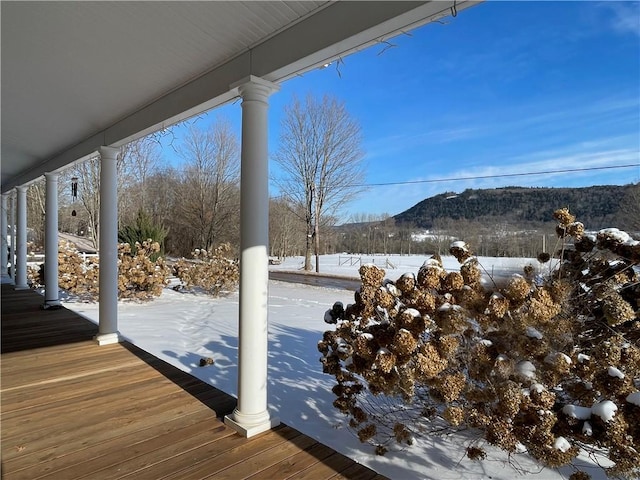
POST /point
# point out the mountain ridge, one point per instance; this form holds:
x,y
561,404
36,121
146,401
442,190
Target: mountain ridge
x,y
595,206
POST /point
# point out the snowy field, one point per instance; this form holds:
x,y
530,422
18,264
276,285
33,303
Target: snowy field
x,y
181,328
396,265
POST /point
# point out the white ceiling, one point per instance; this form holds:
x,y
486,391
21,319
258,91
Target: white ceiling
x,y
77,75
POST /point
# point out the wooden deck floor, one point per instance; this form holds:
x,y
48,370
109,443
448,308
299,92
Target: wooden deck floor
x,y
71,409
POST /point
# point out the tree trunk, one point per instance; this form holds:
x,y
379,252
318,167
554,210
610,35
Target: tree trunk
x,y
316,235
307,249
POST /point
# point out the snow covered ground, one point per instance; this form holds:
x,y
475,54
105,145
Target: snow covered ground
x,y
181,328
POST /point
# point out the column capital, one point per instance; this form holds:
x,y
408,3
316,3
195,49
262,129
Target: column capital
x,y
22,188
51,175
255,86
108,152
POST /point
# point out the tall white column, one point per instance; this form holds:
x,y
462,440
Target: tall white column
x,y
21,240
51,297
4,249
12,246
108,251
251,416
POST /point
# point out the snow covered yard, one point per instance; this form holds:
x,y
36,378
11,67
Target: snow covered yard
x,y
181,328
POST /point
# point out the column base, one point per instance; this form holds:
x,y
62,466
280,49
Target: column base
x,y
107,338
22,287
51,305
250,429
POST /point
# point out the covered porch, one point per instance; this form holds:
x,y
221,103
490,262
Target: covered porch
x,y
82,79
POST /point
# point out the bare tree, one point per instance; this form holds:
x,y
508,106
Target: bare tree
x,y
321,159
209,193
140,160
87,203
36,194
285,227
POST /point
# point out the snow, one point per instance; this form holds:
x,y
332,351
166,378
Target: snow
x,y
459,244
614,372
583,358
606,410
562,444
618,235
575,411
181,328
634,398
534,333
526,369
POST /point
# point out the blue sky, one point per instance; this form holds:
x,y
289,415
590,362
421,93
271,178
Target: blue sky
x,y
503,88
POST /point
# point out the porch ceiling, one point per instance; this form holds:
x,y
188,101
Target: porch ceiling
x,y
77,75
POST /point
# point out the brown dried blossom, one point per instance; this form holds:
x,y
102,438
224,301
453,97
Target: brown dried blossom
x,y
616,310
504,362
430,275
517,289
449,387
215,271
454,415
563,216
404,343
371,275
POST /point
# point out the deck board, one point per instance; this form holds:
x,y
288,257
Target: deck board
x,y
72,409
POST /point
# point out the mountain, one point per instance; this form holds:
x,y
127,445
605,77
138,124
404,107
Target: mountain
x,y
595,206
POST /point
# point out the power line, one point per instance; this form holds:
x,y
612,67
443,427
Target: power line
x,y
501,175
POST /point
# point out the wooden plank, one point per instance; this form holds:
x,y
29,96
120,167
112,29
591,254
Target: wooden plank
x,y
54,357
61,456
290,467
72,388
329,466
216,456
36,438
264,459
355,472
95,434
91,406
183,448
120,460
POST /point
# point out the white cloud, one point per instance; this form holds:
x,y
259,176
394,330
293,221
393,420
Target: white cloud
x,y
624,17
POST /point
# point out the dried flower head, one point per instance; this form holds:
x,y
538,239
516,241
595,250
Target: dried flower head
x,y
563,216
371,275
454,415
460,250
517,289
616,310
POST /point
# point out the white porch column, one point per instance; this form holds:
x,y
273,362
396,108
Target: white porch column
x,y
21,240
108,281
51,298
251,416
12,246
4,249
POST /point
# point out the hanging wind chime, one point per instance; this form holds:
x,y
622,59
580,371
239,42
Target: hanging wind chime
x,y
74,193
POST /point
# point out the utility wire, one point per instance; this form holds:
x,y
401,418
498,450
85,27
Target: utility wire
x,y
501,175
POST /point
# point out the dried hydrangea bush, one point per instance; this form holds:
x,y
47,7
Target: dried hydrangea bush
x,y
213,271
139,277
547,365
